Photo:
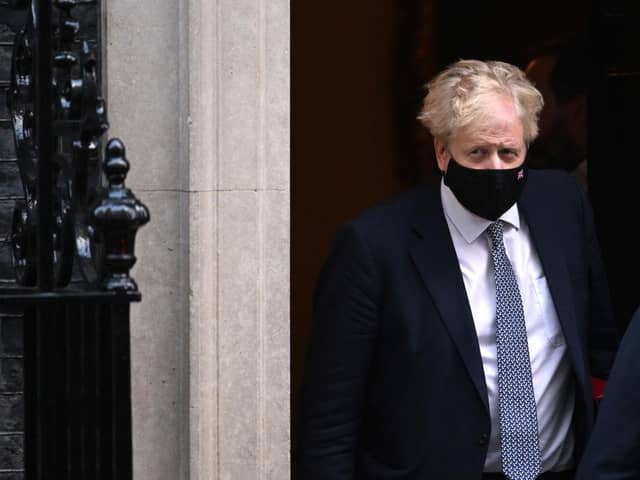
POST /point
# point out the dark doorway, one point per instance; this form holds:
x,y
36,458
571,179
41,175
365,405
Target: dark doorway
x,y
613,125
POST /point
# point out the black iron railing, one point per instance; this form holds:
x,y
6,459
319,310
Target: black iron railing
x,y
72,246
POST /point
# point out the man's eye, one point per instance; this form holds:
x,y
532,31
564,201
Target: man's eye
x,y
508,152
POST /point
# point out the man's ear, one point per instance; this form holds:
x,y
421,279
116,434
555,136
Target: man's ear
x,y
442,155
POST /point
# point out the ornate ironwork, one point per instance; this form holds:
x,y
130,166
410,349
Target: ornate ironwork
x,y
59,160
73,247
21,100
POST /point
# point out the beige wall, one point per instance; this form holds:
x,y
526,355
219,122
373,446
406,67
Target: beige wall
x,y
199,92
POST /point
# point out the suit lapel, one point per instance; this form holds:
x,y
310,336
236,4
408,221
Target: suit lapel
x,y
543,230
435,258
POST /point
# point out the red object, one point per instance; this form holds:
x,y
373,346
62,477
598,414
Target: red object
x,y
597,387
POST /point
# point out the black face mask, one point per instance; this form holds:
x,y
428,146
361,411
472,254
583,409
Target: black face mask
x,y
487,193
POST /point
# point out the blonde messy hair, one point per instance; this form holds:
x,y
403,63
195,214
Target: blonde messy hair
x,y
457,95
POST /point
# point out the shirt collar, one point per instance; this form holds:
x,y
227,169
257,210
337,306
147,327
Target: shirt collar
x,y
470,225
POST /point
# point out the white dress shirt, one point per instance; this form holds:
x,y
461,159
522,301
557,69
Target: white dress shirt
x,y
550,364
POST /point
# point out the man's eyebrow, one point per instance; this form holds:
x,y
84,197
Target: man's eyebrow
x,y
499,146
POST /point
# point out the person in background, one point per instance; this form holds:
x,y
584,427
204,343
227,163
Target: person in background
x,y
613,453
561,74
457,326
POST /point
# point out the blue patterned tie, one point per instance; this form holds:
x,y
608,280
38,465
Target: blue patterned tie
x,y
516,401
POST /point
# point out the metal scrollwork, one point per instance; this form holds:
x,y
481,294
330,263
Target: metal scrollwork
x,y
79,120
20,100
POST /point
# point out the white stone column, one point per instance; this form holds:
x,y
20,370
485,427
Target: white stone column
x,y
199,92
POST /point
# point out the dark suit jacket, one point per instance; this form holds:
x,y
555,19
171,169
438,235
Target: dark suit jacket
x,y
394,385
613,453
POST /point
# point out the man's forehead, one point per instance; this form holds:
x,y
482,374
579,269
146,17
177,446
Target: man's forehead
x,y
499,135
496,129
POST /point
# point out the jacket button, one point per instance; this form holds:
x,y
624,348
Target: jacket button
x,y
484,438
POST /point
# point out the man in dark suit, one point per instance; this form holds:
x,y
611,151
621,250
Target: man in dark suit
x,y
613,452
457,326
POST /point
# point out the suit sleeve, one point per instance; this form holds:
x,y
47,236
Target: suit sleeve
x,y
603,335
613,452
338,360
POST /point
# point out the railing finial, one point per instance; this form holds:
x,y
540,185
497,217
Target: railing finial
x,y
116,219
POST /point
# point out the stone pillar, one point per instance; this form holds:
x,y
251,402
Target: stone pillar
x,y
199,92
